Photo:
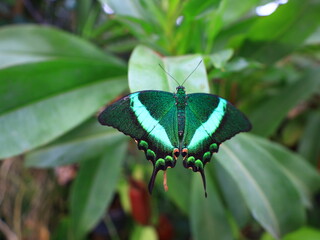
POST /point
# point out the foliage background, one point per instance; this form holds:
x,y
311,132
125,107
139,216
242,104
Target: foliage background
x,y
65,177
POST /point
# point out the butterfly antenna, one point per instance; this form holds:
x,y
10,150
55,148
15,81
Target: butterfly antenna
x,y
192,72
169,74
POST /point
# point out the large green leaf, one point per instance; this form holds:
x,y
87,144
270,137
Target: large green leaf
x,y
207,215
234,10
50,82
231,191
145,73
305,178
268,116
38,122
130,8
305,233
94,187
309,145
228,12
34,43
177,192
33,82
273,37
143,233
270,195
83,143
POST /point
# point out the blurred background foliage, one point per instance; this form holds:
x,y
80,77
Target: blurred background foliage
x,y
63,176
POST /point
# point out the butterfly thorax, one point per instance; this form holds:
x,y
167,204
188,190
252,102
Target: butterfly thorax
x,y
181,102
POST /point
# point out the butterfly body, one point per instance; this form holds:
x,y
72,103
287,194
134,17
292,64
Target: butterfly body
x,y
166,125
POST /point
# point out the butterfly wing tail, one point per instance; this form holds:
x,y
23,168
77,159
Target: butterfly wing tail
x,y
204,181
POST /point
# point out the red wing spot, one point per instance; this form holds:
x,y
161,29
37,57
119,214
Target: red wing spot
x,y
184,153
176,153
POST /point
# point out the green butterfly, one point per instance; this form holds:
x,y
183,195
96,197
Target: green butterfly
x,y
166,125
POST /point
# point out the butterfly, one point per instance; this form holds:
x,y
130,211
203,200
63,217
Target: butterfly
x,y
166,125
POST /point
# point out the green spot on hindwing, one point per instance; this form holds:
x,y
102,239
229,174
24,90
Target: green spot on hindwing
x,y
143,145
206,157
213,147
190,160
169,159
160,164
198,164
150,155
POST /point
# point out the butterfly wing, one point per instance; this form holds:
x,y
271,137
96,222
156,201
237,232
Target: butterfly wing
x,y
150,117
210,120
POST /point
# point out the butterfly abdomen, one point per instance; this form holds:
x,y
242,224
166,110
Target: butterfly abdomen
x,y
181,101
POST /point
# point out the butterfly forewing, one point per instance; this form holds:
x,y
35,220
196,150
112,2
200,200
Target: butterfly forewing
x,y
150,117
212,120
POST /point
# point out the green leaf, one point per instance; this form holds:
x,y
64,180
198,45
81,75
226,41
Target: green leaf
x,y
228,12
269,194
207,215
62,230
82,143
231,191
275,36
34,43
145,73
43,118
94,188
309,145
144,233
30,83
130,8
306,182
266,118
177,192
220,58
235,10
305,233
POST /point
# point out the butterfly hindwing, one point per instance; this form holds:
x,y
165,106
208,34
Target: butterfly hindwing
x,y
210,120
150,118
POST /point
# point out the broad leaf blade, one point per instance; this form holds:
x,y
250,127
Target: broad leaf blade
x,y
81,144
305,178
309,145
145,73
305,233
94,187
207,215
178,192
270,195
272,37
34,43
40,122
231,191
33,82
267,117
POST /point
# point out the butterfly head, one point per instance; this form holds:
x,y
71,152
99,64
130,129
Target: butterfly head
x,y
180,89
